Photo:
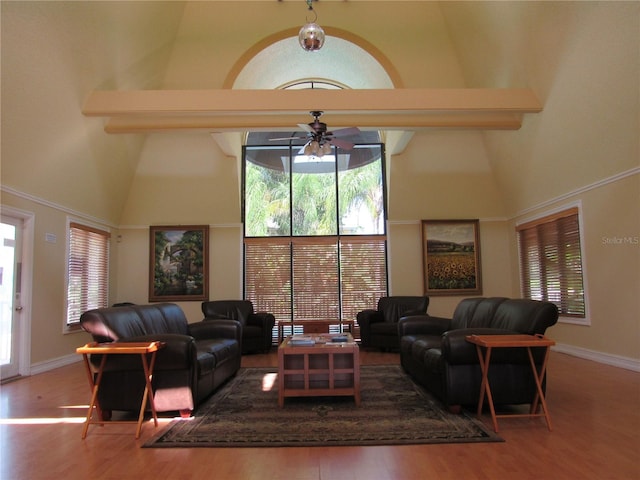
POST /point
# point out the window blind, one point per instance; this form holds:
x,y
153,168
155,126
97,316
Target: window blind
x,y
308,278
88,271
551,262
363,270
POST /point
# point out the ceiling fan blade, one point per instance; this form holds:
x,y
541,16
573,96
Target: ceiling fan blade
x,y
306,128
345,132
286,138
341,143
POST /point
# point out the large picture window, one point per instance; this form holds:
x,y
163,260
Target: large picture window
x,y
315,240
551,262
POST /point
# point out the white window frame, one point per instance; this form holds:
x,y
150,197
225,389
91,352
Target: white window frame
x,y
75,326
586,321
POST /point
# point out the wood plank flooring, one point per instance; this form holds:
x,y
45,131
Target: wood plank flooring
x,y
595,411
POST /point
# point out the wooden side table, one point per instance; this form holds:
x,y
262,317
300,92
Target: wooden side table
x,y
106,349
489,342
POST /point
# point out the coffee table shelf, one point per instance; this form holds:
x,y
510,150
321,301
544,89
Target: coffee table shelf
x,y
322,369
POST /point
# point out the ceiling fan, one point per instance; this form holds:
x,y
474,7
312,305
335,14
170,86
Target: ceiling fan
x,y
319,139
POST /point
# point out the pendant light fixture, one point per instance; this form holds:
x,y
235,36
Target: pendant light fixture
x,y
311,36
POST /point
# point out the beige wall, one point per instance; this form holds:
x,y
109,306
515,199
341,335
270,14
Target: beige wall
x,y
579,57
610,227
225,266
48,272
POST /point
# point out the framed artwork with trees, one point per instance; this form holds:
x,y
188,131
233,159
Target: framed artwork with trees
x,y
178,263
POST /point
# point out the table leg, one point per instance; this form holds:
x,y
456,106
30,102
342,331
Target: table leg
x,y
539,378
94,392
148,392
484,386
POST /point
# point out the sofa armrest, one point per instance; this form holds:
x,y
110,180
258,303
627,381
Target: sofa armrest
x,y
216,328
422,325
264,320
179,352
367,317
456,350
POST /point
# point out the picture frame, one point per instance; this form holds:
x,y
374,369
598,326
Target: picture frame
x,y
178,263
451,257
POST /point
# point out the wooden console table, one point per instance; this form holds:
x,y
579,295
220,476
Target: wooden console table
x,y
489,342
323,368
106,349
313,326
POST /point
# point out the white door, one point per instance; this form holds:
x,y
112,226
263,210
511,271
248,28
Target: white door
x,y
10,295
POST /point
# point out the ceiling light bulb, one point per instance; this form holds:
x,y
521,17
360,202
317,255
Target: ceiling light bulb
x,y
307,149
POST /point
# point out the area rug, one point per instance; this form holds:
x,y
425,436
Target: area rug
x,y
393,411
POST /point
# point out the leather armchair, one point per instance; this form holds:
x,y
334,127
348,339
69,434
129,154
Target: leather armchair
x,y
379,328
257,327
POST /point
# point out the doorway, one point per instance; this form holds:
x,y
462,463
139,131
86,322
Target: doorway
x,y
13,316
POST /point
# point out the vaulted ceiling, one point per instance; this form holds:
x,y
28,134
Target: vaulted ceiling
x,y
84,83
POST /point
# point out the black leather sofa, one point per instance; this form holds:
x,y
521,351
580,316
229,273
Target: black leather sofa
x,y
435,353
257,327
379,327
197,359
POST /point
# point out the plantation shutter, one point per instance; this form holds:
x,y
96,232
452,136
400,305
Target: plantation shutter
x,y
88,271
551,262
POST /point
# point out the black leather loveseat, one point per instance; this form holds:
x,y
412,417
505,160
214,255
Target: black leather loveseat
x,y
196,360
435,353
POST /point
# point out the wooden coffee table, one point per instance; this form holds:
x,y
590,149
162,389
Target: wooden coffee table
x,y
323,368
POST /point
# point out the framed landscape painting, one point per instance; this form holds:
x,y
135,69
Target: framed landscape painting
x,y
451,257
179,263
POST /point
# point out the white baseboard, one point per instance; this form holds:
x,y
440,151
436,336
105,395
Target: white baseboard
x,y
54,363
606,358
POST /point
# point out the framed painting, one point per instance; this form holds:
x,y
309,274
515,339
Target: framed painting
x,y
179,263
451,257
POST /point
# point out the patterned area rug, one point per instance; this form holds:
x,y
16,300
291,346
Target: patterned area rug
x,y
393,411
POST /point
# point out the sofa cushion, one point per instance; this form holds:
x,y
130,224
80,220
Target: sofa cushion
x,y
163,318
525,316
422,345
463,313
485,312
115,323
206,362
221,349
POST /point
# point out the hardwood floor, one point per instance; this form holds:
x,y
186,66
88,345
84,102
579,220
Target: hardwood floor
x,y
594,409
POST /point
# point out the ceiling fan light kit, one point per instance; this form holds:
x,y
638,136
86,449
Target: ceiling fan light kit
x,y
320,140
